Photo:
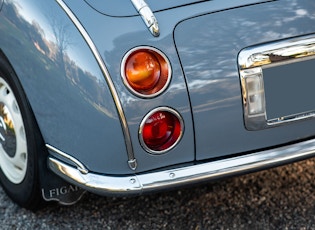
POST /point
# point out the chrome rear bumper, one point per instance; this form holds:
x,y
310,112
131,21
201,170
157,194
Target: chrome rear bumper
x,y
155,181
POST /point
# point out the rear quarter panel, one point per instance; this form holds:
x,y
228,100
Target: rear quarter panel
x,y
64,84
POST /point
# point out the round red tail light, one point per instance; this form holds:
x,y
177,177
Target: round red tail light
x,y
145,71
161,130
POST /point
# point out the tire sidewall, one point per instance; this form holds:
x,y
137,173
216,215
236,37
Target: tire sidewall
x,y
24,192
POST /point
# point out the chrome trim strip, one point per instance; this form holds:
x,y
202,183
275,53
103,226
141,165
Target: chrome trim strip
x,y
79,165
87,38
277,52
147,16
257,58
153,181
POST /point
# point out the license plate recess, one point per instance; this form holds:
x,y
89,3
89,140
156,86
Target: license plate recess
x,y
278,81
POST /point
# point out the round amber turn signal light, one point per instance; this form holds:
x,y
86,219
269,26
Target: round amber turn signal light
x,y
142,70
146,71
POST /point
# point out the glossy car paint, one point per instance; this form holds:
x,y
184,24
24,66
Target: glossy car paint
x,y
212,73
124,8
129,33
112,46
73,104
74,110
216,104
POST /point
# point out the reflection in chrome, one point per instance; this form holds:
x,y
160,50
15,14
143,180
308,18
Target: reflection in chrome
x,y
277,52
147,16
132,162
13,147
252,62
78,164
153,181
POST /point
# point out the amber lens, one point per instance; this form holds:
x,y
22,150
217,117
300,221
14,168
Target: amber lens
x,y
142,70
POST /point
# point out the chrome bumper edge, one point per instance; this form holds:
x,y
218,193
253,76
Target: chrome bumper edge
x,y
155,181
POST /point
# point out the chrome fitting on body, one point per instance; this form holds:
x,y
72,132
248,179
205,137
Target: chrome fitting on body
x,y
147,16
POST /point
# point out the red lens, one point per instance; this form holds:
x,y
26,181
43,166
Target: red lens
x,y
161,130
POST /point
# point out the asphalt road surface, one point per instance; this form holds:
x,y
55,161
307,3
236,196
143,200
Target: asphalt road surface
x,y
280,198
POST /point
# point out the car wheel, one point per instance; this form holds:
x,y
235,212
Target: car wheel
x,y
18,146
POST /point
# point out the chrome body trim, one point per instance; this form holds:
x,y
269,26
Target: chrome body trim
x,y
253,60
279,52
79,165
87,38
153,181
147,16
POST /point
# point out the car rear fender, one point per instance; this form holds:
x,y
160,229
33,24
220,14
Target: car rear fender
x,y
64,84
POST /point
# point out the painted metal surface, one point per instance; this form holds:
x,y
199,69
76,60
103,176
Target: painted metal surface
x,y
64,84
113,46
122,118
209,59
71,75
122,8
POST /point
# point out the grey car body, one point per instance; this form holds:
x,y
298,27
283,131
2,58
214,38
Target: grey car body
x,y
67,55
